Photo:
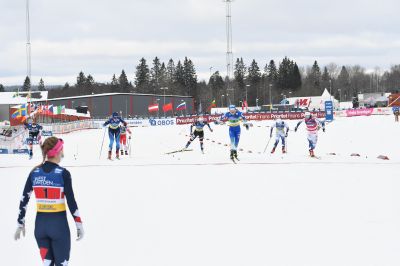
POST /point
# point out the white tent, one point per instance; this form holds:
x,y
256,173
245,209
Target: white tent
x,y
313,102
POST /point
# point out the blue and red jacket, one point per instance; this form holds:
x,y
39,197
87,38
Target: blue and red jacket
x,y
51,184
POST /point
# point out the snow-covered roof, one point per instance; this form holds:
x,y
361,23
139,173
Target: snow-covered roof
x,y
20,98
115,93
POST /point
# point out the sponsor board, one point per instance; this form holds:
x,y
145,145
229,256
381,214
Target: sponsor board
x,y
3,151
138,122
252,116
363,112
47,133
20,151
163,122
329,110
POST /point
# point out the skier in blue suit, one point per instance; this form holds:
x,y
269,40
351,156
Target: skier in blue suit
x,y
114,132
233,117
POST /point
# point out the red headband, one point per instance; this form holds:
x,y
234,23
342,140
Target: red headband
x,y
56,149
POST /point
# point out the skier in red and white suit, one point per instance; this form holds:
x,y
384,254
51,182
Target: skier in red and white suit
x,y
124,131
312,125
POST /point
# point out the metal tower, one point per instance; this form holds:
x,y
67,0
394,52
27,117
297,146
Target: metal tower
x,y
229,53
28,43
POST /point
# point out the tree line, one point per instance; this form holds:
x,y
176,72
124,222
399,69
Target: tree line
x,y
257,84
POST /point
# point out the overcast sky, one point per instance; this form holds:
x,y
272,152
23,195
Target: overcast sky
x,y
102,37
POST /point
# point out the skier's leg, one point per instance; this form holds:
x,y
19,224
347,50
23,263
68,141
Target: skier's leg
x,y
192,137
60,240
276,143
201,139
232,138
111,137
44,243
117,136
237,138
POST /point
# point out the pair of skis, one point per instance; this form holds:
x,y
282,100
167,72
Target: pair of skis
x,y
181,150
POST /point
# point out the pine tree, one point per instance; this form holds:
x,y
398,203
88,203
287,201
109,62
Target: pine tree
x,y
123,82
27,84
190,77
216,83
239,74
163,76
272,73
114,84
285,74
89,81
155,75
1,88
254,79
296,78
171,72
179,79
66,86
343,83
41,86
81,80
316,76
325,79
142,75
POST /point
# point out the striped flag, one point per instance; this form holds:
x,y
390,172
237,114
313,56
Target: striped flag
x,y
181,106
153,107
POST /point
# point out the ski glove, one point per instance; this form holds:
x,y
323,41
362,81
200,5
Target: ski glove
x,y
323,129
129,137
80,233
247,126
20,229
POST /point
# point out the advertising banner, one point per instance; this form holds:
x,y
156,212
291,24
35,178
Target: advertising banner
x,y
359,112
329,111
252,116
163,122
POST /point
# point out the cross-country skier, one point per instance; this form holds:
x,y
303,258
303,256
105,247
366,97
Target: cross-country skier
x,y
234,117
124,131
198,132
114,132
34,137
396,112
280,133
51,185
312,125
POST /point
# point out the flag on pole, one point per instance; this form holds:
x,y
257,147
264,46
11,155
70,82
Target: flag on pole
x,y
153,107
244,104
167,107
20,112
57,110
181,106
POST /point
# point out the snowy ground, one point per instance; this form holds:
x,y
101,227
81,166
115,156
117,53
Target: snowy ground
x,y
194,209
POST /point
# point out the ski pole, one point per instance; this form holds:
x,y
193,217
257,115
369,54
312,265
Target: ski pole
x,y
130,147
286,143
102,143
267,144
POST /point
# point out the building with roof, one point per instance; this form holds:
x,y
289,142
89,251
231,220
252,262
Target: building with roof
x,y
127,104
10,99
